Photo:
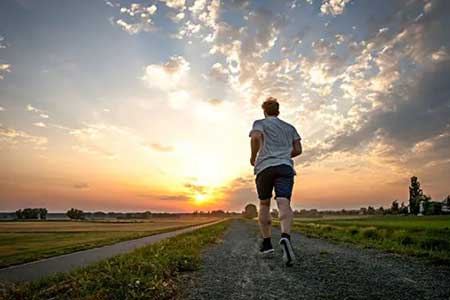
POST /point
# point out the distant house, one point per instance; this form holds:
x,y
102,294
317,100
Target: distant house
x,y
445,208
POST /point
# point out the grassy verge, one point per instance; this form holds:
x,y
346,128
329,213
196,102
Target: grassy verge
x,y
147,273
418,236
21,247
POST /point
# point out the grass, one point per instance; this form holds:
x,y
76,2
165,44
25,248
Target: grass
x,y
22,242
427,236
150,272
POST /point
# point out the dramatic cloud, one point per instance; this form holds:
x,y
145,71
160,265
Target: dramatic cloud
x,y
333,7
167,76
138,18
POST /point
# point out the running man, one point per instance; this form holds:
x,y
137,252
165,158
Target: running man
x,y
273,144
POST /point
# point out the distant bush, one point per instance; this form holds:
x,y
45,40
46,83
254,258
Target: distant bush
x,y
76,214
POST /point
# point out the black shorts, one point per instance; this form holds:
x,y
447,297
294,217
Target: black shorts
x,y
280,177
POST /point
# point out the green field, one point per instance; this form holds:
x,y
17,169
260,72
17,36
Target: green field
x,y
150,272
22,242
427,236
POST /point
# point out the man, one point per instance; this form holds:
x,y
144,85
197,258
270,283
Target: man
x,y
273,145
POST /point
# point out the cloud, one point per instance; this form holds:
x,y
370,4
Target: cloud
x,y
179,99
333,7
40,124
215,101
4,68
178,4
441,55
161,148
41,113
101,139
163,197
219,72
2,108
167,76
401,84
138,18
81,185
197,7
17,137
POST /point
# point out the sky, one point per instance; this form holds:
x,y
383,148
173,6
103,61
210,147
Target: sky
x,y
131,106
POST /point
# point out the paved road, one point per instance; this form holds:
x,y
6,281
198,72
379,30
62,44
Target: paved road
x,y
64,263
233,270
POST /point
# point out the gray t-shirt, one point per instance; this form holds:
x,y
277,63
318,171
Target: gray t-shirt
x,y
278,137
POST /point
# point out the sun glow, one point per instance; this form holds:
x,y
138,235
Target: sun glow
x,y
199,198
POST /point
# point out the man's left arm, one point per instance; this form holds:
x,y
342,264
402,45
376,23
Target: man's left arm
x,y
296,144
296,148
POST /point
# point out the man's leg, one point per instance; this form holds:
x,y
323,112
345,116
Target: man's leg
x,y
265,219
286,214
283,192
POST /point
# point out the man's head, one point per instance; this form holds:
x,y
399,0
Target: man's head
x,y
271,107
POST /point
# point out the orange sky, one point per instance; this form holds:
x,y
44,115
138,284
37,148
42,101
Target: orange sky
x,y
117,107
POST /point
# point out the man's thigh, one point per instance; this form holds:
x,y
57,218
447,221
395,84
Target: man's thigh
x,y
284,182
264,184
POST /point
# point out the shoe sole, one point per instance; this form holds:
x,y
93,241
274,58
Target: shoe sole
x,y
288,253
267,253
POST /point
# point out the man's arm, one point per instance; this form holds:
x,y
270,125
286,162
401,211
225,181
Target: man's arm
x,y
296,148
255,144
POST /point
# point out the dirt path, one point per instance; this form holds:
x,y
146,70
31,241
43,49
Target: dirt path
x,y
67,262
233,270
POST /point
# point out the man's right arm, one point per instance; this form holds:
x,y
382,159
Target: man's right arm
x,y
296,148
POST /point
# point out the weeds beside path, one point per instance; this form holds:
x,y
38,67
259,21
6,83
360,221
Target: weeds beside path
x,y
147,273
427,236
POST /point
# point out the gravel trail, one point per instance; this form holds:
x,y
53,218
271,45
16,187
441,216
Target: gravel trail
x,y
234,270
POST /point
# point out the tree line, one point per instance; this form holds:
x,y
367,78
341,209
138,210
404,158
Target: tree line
x,y
417,199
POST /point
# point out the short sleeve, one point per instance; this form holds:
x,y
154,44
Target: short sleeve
x,y
296,136
257,126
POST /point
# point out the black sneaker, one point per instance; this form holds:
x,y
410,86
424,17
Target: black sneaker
x,y
266,248
288,252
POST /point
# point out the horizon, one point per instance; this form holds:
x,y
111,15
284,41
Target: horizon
x,y
147,105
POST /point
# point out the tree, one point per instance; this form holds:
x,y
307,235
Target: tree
x,y
43,213
99,214
19,214
415,192
250,211
75,214
370,210
395,207
32,213
275,213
